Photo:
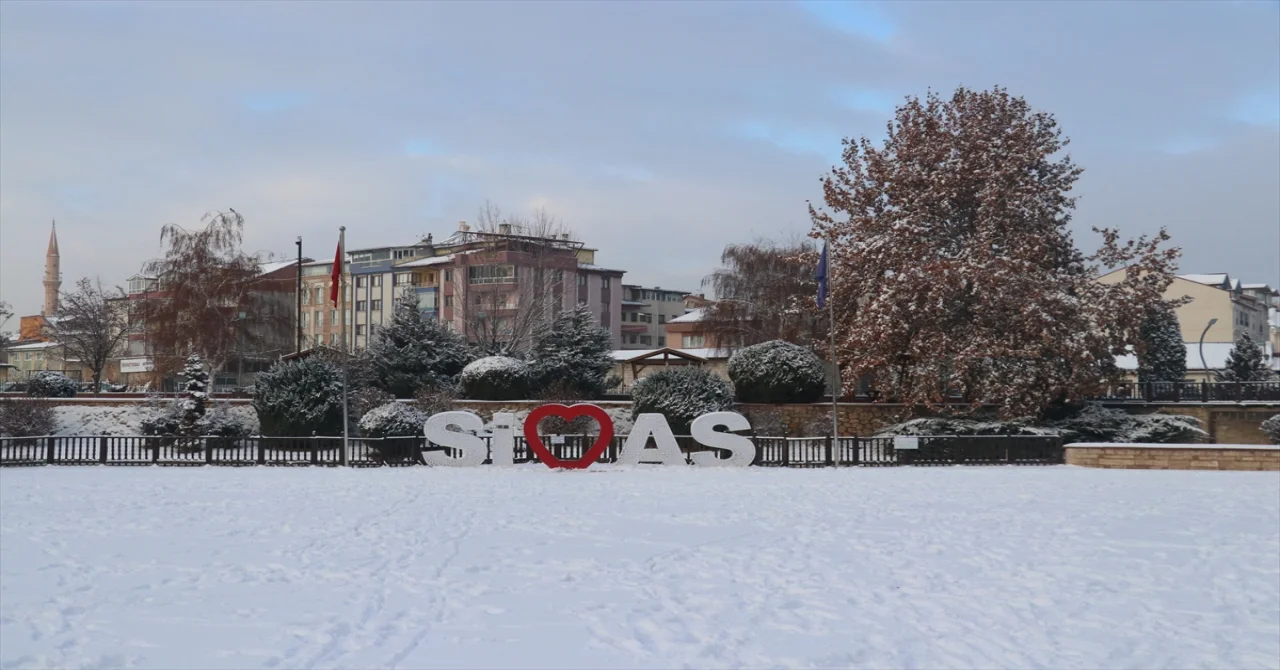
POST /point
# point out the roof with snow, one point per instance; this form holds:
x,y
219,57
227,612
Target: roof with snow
x,y
624,355
1215,357
429,261
32,347
596,268
692,317
273,266
1218,280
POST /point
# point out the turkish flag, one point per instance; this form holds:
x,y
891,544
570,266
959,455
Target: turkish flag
x,y
336,277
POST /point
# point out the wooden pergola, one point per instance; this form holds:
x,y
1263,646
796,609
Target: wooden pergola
x,y
664,357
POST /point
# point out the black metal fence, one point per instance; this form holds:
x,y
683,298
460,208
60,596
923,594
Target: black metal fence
x,y
366,452
1193,392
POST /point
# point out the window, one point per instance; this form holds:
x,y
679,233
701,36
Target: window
x,y
347,314
361,282
306,297
645,339
491,274
694,341
448,275
360,329
662,318
448,301
375,305
431,278
305,316
317,340
631,339
405,253
360,305
646,318
333,317
333,338
604,282
582,280
402,279
319,295
662,341
376,281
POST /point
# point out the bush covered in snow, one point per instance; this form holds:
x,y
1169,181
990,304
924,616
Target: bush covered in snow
x,y
1093,423
681,395
26,418
171,420
573,353
48,384
496,378
298,397
1271,428
413,352
394,419
777,372
196,394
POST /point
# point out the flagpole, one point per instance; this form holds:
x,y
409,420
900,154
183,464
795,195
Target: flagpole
x,y
835,364
342,314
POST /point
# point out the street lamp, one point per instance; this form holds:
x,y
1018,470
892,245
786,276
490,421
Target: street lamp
x,y
1203,366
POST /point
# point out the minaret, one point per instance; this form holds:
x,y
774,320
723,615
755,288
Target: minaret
x,y
52,275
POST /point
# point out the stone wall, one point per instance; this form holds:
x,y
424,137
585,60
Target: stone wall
x,y
1226,423
1174,457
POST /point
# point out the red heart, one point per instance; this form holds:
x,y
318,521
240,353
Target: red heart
x,y
568,414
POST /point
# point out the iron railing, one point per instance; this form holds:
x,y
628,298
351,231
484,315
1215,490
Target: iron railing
x,y
366,452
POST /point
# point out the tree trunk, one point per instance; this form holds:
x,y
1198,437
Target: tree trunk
x,y
97,382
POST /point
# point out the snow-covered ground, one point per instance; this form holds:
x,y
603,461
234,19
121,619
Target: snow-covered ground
x,y
1055,567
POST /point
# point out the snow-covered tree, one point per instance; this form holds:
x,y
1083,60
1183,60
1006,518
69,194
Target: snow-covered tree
x,y
296,398
1162,356
1245,363
194,397
413,352
573,353
26,418
49,384
496,378
777,372
952,268
1271,428
681,395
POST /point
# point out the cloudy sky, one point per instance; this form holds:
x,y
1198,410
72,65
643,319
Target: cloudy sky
x,y
658,131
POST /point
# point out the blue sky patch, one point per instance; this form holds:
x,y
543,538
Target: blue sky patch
x,y
860,19
272,102
1259,107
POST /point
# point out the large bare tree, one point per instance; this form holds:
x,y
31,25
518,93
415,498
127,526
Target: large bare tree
x,y
91,326
212,301
764,291
953,267
502,316
6,313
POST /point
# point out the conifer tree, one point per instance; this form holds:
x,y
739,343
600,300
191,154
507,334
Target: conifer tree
x,y
413,352
1162,356
572,353
1245,363
196,394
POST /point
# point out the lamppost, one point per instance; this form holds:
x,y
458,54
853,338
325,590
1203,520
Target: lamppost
x,y
298,314
1203,366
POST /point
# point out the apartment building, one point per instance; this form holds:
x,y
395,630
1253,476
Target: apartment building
x,y
481,284
142,364
645,313
1213,296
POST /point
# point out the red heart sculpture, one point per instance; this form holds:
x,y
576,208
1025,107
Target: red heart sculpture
x,y
568,414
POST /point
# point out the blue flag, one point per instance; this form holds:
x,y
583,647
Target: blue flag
x,y
822,279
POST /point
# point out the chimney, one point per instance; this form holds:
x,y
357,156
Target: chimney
x,y
463,227
504,229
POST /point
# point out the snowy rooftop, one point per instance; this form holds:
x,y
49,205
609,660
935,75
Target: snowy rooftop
x,y
1218,280
691,317
268,268
597,268
628,354
1215,356
33,346
427,262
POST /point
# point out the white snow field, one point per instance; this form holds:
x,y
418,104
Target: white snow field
x,y
652,567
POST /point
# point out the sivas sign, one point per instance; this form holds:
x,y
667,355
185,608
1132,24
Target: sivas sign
x,y
738,450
